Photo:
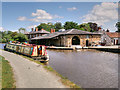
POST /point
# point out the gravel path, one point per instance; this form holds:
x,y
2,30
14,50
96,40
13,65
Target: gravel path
x,y
29,74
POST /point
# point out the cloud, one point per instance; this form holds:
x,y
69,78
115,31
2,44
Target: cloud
x,y
60,6
2,29
40,16
56,16
32,26
43,16
72,9
100,14
21,18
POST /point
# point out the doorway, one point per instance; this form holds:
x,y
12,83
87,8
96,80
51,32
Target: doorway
x,y
75,40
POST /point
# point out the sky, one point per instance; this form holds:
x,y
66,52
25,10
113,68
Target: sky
x,y
30,14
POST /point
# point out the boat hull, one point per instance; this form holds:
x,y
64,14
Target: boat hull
x,y
37,52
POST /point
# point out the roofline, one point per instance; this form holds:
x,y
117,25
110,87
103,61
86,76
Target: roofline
x,y
112,32
65,34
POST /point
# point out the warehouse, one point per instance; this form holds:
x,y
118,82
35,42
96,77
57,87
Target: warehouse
x,y
68,38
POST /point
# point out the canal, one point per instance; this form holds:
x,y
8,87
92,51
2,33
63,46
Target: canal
x,y
86,68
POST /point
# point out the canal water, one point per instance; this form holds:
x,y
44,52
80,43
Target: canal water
x,y
2,46
86,68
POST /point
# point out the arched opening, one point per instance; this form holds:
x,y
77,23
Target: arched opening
x,y
87,42
75,40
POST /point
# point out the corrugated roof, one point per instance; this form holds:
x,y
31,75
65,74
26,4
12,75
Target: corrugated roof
x,y
113,34
67,32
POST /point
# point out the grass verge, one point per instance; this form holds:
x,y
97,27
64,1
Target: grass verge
x,y
7,74
0,73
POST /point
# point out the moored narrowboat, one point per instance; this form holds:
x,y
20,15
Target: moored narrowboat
x,y
37,52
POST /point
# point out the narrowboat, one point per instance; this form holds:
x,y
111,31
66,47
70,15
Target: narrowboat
x,y
37,52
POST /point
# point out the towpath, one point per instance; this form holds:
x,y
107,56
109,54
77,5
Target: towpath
x,y
29,74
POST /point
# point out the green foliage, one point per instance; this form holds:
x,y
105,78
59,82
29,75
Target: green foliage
x,y
45,26
21,30
20,37
58,26
90,27
12,36
84,27
118,26
9,32
70,25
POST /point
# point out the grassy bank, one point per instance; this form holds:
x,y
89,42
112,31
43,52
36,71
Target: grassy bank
x,y
7,74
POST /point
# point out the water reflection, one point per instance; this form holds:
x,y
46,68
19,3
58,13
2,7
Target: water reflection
x,y
88,68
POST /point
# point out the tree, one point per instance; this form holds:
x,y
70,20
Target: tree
x,y
93,26
20,37
21,30
9,32
7,37
118,26
13,34
84,27
45,26
58,26
70,25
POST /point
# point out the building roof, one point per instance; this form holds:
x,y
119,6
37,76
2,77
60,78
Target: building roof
x,y
26,33
35,32
113,34
67,32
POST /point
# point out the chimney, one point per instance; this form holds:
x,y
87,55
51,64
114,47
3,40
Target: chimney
x,y
32,29
99,28
52,30
36,29
42,29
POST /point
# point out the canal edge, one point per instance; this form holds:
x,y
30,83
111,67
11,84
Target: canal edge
x,y
63,80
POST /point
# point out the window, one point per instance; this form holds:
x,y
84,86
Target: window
x,y
87,36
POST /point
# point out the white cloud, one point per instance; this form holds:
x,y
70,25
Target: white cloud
x,y
40,16
105,12
60,6
56,16
21,18
32,26
43,16
72,9
2,29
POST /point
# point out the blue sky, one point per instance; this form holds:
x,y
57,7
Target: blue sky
x,y
30,14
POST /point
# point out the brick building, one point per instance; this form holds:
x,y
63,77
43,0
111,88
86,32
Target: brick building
x,y
115,37
68,38
110,38
36,33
